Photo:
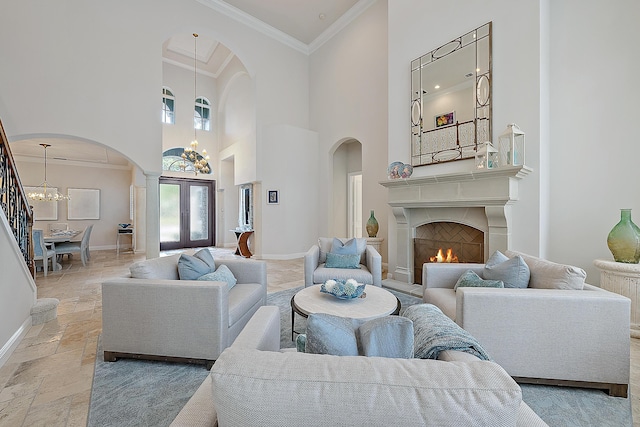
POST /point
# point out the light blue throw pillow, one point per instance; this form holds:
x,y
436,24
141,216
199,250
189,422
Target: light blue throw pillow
x,y
388,336
342,261
327,334
349,247
222,274
514,272
190,267
471,280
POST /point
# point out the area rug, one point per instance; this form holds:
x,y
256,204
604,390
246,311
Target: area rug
x,y
131,393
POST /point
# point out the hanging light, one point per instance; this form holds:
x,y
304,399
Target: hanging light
x,y
200,162
42,194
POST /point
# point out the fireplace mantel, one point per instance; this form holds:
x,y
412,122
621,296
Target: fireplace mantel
x,y
479,198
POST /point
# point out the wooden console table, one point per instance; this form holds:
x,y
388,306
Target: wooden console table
x,y
242,247
623,279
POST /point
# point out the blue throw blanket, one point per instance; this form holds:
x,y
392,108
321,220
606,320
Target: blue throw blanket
x,y
434,332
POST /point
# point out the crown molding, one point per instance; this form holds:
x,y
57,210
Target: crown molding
x,y
342,22
256,24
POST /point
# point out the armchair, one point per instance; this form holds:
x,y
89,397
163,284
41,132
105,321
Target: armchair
x,y
81,247
157,316
315,271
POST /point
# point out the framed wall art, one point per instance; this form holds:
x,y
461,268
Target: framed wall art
x,y
84,203
445,119
43,211
273,197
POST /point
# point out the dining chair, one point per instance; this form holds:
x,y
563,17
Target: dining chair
x,y
81,247
42,251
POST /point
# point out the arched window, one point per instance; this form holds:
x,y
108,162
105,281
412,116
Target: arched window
x,y
172,161
168,107
202,114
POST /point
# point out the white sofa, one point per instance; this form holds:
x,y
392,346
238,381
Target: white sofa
x,y
316,272
162,317
254,384
576,337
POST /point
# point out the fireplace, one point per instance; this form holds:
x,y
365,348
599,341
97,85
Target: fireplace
x,y
434,240
480,199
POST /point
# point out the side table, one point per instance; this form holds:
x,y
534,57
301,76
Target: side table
x,y
129,231
623,279
242,247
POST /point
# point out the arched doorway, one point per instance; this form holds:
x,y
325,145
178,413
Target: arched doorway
x,y
347,189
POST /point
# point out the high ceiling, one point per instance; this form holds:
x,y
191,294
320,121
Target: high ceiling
x,y
305,21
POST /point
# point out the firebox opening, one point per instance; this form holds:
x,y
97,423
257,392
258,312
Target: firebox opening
x,y
466,244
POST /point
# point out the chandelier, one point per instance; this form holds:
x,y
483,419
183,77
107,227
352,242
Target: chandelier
x,y
200,162
41,194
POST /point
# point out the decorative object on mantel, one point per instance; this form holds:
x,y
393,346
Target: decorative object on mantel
x,y
399,170
348,289
372,226
624,239
41,193
486,156
511,146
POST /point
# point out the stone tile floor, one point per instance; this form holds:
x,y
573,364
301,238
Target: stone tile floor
x,y
47,380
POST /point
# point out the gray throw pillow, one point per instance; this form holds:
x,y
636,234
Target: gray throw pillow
x,y
388,336
342,261
514,272
191,267
327,334
222,274
470,279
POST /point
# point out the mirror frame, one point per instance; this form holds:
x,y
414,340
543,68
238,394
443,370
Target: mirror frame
x,y
457,140
245,211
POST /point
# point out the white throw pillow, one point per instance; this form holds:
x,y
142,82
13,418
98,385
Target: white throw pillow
x,y
550,275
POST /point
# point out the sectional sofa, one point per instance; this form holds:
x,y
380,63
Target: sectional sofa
x,y
253,383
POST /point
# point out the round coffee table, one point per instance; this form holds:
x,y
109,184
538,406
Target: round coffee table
x,y
378,302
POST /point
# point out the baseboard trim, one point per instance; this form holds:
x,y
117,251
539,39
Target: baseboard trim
x,y
8,348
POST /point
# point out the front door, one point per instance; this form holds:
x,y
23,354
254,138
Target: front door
x,y
187,213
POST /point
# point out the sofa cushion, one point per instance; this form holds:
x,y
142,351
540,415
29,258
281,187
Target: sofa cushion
x,y
327,334
550,275
514,272
252,387
190,267
222,274
156,268
326,243
361,274
342,261
470,279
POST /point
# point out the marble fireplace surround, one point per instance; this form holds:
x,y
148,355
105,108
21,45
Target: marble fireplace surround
x,y
480,198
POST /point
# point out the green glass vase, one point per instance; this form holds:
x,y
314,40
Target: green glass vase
x,y
624,239
372,226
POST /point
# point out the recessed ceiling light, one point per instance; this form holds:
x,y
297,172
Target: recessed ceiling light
x,y
437,87
321,16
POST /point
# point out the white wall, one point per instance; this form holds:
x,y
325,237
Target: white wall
x,y
593,143
348,80
415,29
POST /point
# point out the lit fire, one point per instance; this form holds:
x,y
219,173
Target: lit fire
x,y
441,258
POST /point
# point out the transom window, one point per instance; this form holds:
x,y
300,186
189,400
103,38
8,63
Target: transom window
x,y
202,114
168,106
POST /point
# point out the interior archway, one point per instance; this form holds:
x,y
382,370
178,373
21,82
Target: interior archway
x,y
347,203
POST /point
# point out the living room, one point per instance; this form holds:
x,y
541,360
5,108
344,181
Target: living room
x,y
561,71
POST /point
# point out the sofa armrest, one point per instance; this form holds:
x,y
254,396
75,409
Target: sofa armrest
x,y
262,331
445,275
176,318
247,270
575,335
311,261
374,264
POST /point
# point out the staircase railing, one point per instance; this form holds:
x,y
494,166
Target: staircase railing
x,y
14,201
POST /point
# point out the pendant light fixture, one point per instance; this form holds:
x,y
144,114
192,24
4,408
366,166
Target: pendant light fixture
x,y
42,192
200,162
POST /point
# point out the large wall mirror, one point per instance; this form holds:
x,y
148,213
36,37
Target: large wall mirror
x,y
451,99
245,217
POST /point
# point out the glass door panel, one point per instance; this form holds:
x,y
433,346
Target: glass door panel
x,y
187,213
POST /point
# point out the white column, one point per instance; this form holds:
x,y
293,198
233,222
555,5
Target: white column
x,y
404,251
153,214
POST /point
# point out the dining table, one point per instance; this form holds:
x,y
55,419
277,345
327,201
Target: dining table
x,y
58,237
